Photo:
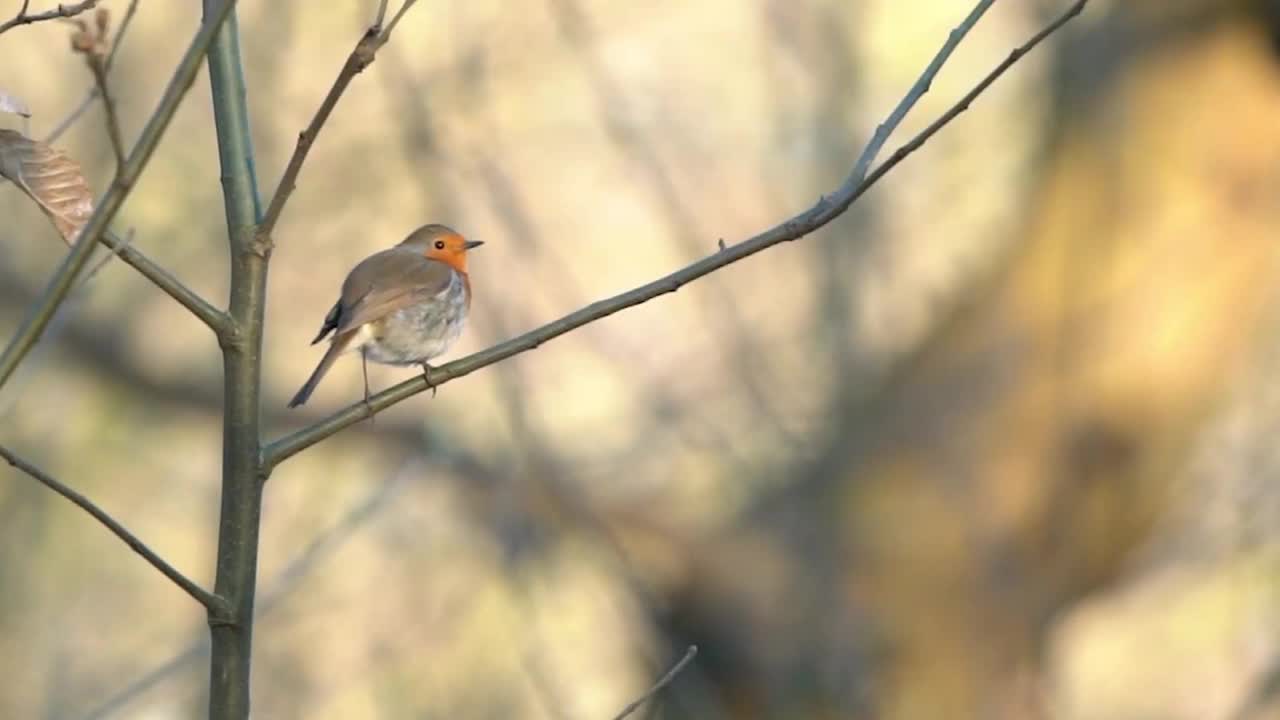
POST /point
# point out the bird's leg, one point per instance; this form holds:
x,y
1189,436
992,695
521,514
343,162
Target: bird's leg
x,y
364,366
426,375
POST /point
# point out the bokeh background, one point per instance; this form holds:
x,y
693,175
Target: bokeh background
x,y
998,443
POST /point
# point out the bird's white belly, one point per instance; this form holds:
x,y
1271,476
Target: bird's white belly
x,y
416,334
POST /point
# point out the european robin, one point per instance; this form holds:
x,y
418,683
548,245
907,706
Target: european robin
x,y
402,306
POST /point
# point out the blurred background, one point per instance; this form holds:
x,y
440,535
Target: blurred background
x,y
998,443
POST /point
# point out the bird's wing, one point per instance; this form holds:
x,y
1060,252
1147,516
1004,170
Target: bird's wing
x,y
330,322
386,282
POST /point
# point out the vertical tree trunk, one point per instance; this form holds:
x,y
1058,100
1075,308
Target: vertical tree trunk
x,y
242,469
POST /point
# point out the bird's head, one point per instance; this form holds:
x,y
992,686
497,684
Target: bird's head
x,y
441,243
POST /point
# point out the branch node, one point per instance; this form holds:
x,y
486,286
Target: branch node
x,y
230,338
222,618
261,245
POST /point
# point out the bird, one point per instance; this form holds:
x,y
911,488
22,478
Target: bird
x,y
401,306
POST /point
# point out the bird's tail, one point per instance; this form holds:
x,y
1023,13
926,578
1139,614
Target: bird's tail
x,y
336,348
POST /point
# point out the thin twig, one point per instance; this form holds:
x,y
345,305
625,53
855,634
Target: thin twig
x,y
318,550
663,681
386,34
361,57
62,11
827,208
98,66
211,316
213,603
381,16
214,318
71,118
92,44
63,279
917,91
92,272
124,28
93,92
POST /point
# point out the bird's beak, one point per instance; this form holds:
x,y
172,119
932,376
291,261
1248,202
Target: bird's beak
x,y
472,244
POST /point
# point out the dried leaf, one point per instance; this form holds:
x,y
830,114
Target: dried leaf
x,y
50,177
13,104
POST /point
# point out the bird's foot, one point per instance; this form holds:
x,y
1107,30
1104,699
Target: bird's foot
x,y
426,375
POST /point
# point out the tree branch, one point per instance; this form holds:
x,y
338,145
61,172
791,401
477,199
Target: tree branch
x,y
124,28
361,57
93,92
62,11
214,318
71,118
173,287
87,276
212,602
663,681
917,91
380,16
123,248
241,502
60,284
823,212
386,34
98,66
318,550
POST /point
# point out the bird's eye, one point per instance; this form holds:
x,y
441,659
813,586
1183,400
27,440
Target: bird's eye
x,y
439,244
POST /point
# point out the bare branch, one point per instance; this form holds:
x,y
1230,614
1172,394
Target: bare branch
x,y
124,28
62,11
93,92
213,603
319,549
386,34
63,280
211,316
98,66
239,521
917,91
381,16
71,118
663,681
361,57
88,275
828,208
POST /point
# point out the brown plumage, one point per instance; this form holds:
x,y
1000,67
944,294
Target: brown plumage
x,y
402,306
